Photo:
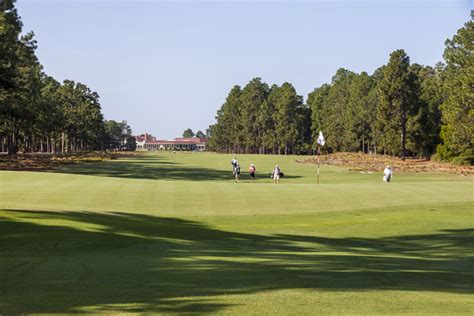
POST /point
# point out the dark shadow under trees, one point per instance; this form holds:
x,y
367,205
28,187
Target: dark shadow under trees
x,y
173,265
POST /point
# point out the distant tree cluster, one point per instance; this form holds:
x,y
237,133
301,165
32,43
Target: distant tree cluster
x,y
188,133
118,136
262,119
401,109
39,114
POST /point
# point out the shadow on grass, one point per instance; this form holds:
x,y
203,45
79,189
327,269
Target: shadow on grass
x,y
155,169
60,262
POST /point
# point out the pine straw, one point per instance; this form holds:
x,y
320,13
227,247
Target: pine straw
x,y
44,162
376,163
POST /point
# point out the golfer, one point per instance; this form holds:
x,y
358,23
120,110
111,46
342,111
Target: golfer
x,y
237,172
276,174
233,162
387,174
252,171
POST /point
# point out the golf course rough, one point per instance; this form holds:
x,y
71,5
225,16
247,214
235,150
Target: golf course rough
x,y
173,233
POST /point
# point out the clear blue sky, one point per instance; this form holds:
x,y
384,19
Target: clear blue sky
x,y
165,66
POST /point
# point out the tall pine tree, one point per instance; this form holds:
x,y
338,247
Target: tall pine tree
x,y
396,100
457,131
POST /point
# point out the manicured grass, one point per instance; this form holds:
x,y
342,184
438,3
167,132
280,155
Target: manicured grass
x,y
174,234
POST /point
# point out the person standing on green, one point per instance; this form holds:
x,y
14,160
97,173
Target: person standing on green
x,y
233,162
237,172
252,171
276,174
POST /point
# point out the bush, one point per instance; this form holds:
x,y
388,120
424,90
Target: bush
x,y
464,160
443,154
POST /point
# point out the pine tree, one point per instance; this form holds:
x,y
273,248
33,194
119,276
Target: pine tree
x,y
36,112
303,117
252,98
317,101
227,132
423,124
200,134
267,125
286,104
361,109
188,133
11,110
457,131
338,115
396,100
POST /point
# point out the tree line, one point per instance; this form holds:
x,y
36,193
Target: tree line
x,y
262,119
40,114
403,109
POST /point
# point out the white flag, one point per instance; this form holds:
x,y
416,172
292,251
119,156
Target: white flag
x,y
321,140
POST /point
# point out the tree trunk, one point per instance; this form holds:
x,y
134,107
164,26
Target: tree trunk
x,y
12,143
62,143
363,144
404,135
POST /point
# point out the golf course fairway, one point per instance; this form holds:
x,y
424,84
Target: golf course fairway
x,y
174,233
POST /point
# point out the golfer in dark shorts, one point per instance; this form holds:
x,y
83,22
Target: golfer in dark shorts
x,y
237,173
252,171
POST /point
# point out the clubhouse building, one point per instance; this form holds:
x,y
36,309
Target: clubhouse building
x,y
149,142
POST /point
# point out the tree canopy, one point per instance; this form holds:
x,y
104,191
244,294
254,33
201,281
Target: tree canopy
x,y
37,113
401,109
188,133
457,131
200,134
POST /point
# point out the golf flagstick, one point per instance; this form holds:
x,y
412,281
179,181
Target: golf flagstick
x,y
318,164
320,143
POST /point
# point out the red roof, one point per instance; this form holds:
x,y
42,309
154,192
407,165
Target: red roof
x,y
160,142
178,140
193,140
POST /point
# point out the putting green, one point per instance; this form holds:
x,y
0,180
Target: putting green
x,y
173,233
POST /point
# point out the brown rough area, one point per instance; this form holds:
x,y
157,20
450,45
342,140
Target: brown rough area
x,y
44,162
376,163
